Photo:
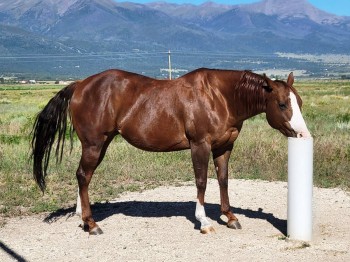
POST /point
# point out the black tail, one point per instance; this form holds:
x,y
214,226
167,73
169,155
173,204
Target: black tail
x,y
50,121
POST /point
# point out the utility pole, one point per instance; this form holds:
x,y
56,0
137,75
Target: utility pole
x,y
169,65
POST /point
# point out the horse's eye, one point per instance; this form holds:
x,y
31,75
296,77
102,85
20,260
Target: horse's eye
x,y
282,106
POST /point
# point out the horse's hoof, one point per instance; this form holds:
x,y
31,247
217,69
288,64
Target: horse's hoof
x,y
234,224
84,226
207,230
96,231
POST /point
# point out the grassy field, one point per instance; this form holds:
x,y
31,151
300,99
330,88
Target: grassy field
x,y
260,152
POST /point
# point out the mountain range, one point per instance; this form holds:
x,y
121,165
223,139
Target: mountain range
x,y
63,27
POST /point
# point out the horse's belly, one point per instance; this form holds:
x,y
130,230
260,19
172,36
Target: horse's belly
x,y
159,146
156,141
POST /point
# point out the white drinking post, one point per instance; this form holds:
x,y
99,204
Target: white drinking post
x,y
300,183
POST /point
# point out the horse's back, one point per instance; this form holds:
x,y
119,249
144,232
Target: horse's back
x,y
145,111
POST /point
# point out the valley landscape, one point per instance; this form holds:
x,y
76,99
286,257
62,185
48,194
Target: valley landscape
x,y
72,39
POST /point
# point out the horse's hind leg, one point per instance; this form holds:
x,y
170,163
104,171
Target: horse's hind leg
x,y
92,155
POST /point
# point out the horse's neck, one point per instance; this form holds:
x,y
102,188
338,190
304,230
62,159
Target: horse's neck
x,y
248,96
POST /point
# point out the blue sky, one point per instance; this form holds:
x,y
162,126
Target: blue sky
x,y
339,7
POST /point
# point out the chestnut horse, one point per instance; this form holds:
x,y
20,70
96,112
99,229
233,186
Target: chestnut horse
x,y
203,111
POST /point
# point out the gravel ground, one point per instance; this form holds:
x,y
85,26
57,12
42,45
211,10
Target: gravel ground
x,y
159,225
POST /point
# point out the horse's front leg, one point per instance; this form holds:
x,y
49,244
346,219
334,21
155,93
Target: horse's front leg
x,y
200,157
221,158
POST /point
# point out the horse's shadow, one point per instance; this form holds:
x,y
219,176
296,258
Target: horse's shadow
x,y
168,209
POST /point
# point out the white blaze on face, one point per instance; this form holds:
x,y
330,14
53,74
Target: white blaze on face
x,y
297,122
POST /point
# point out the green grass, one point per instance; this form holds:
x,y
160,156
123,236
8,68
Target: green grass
x,y
260,152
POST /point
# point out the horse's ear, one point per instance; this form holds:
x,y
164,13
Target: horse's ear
x,y
267,83
290,80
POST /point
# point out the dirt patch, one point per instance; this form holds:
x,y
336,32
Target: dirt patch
x,y
159,225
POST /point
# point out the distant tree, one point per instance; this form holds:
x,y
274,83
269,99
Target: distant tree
x,y
2,80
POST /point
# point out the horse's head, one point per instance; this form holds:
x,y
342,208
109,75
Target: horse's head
x,y
283,108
